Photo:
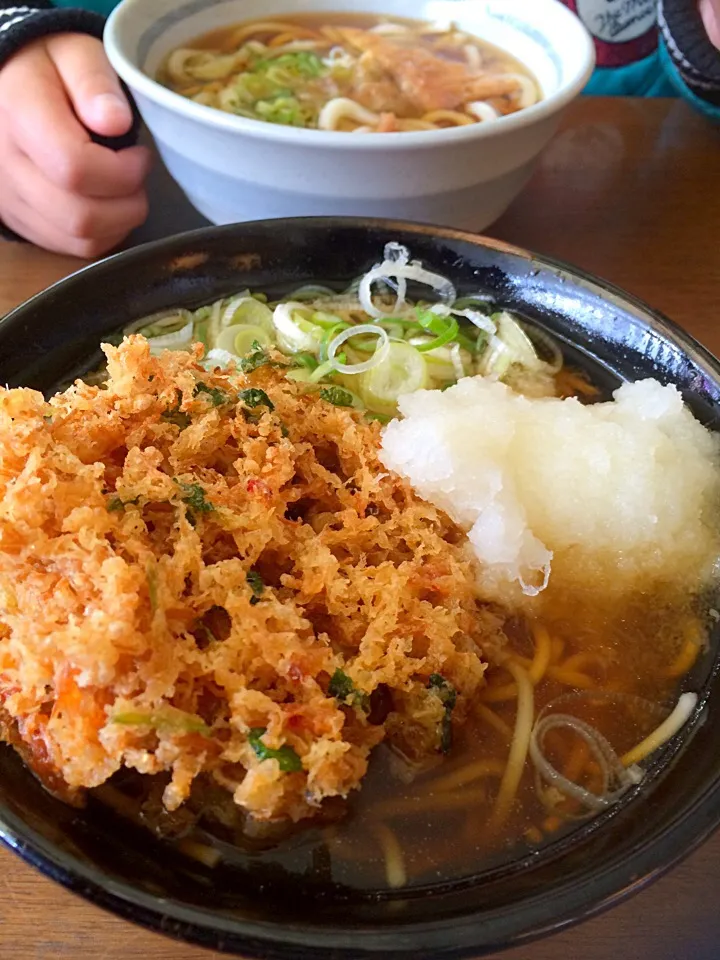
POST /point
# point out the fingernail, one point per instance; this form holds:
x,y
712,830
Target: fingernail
x,y
110,103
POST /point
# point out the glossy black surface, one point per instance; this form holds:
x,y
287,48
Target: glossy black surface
x,y
55,335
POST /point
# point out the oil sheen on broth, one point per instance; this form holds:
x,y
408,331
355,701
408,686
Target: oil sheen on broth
x,y
351,72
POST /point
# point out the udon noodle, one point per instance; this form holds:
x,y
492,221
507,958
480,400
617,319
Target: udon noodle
x,y
217,603
351,73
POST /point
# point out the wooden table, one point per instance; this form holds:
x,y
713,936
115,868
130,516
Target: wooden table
x,y
629,191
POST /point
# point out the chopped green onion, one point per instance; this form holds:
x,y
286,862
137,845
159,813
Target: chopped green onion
x,y
304,63
300,375
306,360
517,342
467,343
247,311
295,333
403,370
380,417
328,321
287,111
173,332
311,291
479,303
444,328
201,332
329,335
381,350
325,369
239,339
165,720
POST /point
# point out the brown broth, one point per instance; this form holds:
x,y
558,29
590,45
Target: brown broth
x,y
445,832
616,665
433,92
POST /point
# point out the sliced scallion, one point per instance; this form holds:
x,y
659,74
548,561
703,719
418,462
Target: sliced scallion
x,y
381,350
444,328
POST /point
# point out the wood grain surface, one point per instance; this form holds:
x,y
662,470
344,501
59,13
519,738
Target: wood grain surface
x,y
628,190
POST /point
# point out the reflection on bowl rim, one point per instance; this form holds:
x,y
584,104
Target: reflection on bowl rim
x,y
138,80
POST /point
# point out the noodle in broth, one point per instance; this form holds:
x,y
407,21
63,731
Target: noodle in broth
x,y
579,695
351,73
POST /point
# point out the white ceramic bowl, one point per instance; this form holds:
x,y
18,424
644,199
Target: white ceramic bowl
x,y
235,169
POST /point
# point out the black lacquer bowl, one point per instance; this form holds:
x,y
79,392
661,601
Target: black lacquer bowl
x,y
53,337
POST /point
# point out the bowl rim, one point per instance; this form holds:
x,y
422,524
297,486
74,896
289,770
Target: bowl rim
x,y
651,858
146,86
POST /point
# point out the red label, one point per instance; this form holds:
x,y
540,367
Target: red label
x,y
624,31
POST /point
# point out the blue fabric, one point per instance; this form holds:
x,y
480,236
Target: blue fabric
x,y
680,87
645,78
99,6
655,76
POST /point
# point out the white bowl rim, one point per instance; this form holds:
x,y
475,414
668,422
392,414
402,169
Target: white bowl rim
x,y
138,80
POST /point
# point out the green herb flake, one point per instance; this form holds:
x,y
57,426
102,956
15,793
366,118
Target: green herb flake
x,y
447,694
342,688
194,496
115,503
256,358
256,398
288,760
256,584
337,396
215,395
175,415
178,418
443,689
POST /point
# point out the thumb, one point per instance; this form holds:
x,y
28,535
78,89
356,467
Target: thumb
x,y
91,83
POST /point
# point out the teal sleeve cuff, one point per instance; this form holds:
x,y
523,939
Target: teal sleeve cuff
x,y
644,78
680,87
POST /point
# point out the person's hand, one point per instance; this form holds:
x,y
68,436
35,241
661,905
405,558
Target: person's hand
x,y
58,189
710,13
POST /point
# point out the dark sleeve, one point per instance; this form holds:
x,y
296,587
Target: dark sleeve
x,y
22,22
691,59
